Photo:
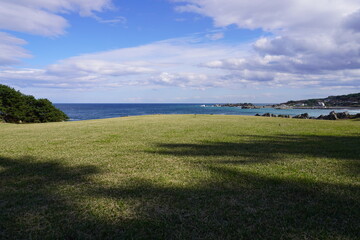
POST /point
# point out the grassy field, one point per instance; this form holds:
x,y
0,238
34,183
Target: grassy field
x,y
181,177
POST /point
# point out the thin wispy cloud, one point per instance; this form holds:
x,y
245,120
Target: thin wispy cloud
x,y
215,36
114,21
175,62
11,49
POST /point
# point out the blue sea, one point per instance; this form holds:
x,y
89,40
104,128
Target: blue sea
x,y
87,111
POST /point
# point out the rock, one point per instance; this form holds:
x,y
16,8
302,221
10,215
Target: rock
x,y
343,115
250,106
332,116
321,117
303,116
335,116
269,115
355,116
257,115
284,116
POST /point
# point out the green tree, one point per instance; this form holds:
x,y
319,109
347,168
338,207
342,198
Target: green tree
x,y
16,107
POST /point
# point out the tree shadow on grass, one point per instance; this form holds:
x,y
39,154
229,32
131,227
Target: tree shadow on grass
x,y
243,206
44,199
32,205
252,145
264,149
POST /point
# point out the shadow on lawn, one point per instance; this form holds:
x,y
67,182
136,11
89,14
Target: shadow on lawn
x,y
31,203
244,205
262,149
45,199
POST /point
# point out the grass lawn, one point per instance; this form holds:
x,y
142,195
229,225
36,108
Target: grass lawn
x,y
181,177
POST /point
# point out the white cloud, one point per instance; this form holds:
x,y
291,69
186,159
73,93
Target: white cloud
x,y
183,79
181,63
11,50
86,67
175,62
30,20
215,36
40,17
116,20
313,43
273,15
352,22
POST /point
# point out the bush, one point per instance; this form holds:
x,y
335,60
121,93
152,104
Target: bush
x,y
16,107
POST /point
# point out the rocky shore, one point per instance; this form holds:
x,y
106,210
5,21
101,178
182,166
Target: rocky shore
x,y
241,105
281,106
332,116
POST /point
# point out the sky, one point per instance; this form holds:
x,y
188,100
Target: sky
x,y
180,51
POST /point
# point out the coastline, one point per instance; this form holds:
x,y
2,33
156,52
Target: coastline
x,y
334,108
78,112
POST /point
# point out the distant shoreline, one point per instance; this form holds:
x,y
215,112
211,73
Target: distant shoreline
x,y
338,107
78,112
252,106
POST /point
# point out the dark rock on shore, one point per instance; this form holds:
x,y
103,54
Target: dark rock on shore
x,y
284,116
273,115
303,116
335,116
269,115
343,115
355,116
332,116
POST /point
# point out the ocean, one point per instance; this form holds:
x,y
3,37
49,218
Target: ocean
x,y
87,111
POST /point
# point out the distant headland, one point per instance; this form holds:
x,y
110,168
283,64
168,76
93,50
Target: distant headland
x,y
350,101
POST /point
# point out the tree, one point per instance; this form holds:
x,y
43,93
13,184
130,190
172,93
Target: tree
x,y
16,107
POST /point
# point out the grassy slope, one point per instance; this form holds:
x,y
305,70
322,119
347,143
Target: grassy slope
x,y
179,177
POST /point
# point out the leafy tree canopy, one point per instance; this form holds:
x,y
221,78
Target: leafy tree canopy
x,y
16,107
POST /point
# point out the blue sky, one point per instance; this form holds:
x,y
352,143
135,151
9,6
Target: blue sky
x,y
180,50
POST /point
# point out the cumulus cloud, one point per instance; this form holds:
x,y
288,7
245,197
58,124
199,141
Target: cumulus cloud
x,y
352,22
315,43
273,15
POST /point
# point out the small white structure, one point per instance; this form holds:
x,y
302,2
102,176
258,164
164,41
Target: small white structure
x,y
321,104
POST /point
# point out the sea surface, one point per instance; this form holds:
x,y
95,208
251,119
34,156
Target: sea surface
x,y
87,111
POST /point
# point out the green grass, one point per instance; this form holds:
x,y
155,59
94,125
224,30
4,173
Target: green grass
x,y
181,177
